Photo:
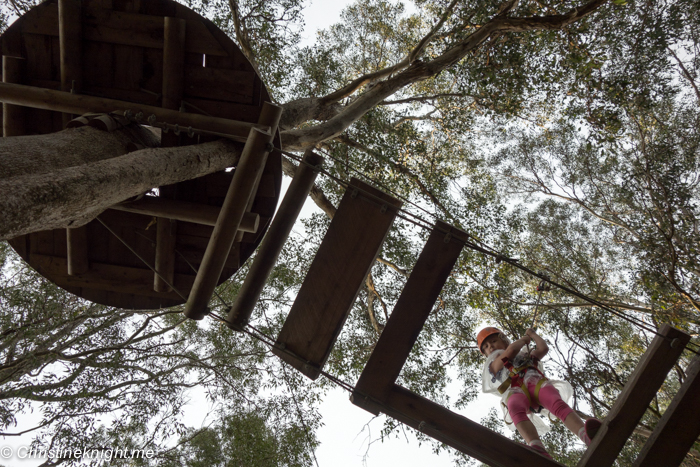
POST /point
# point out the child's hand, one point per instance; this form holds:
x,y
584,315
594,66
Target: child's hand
x,y
526,339
530,333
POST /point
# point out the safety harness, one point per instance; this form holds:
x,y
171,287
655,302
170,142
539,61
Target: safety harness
x,y
516,379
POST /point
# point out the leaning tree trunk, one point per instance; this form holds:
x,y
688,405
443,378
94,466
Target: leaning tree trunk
x,y
69,190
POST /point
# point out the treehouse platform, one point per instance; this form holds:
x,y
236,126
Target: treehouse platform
x,y
143,54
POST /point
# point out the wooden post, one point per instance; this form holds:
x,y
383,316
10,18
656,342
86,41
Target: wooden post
x,y
71,57
253,158
184,211
47,99
173,66
635,397
679,426
70,32
274,240
13,115
173,86
411,311
77,250
455,430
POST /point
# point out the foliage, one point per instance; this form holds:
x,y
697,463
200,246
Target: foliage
x,y
567,142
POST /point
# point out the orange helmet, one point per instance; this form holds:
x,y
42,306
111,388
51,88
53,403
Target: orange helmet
x,y
484,333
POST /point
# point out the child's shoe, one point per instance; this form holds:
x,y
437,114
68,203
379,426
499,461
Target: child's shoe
x,y
538,447
589,430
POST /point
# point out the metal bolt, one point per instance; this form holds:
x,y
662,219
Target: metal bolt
x,y
269,147
190,132
139,116
177,129
129,114
354,193
383,209
152,120
448,237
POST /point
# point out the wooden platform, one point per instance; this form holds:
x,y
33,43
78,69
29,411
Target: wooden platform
x,y
122,54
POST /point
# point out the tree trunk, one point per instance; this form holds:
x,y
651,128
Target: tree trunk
x,y
36,154
70,190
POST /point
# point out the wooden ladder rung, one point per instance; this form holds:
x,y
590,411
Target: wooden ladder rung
x,y
679,426
454,430
336,275
411,311
274,240
635,397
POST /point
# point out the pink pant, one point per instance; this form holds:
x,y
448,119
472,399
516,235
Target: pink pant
x,y
518,405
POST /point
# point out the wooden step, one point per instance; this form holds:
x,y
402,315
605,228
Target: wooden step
x,y
411,311
454,430
678,428
635,397
274,240
335,277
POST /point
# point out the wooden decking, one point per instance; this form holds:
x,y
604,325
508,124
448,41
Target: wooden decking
x,y
152,55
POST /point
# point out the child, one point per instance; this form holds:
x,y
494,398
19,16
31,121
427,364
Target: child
x,y
528,388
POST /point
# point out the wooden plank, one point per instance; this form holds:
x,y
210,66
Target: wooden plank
x,y
184,211
43,20
107,277
635,397
411,311
21,246
128,73
679,426
225,85
99,65
166,239
455,430
77,251
39,57
343,260
13,115
128,28
271,246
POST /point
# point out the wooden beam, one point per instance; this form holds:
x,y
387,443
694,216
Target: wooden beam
x,y
411,311
635,397
77,251
252,160
336,275
679,426
184,211
274,240
47,99
13,115
70,32
454,430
